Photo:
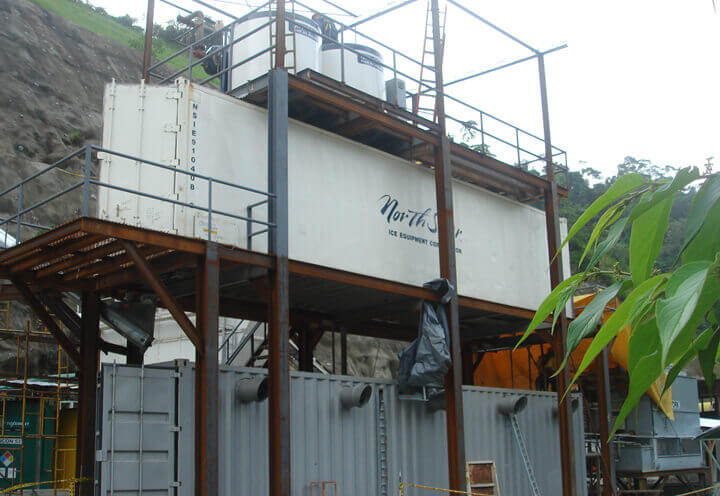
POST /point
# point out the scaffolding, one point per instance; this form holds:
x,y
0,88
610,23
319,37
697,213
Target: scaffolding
x,y
37,434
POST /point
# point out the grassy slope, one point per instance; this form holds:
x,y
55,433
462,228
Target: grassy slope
x,y
83,16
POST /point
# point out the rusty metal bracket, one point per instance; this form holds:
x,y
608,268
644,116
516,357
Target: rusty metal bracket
x,y
167,300
47,319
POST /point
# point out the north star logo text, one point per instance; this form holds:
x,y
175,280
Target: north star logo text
x,y
425,219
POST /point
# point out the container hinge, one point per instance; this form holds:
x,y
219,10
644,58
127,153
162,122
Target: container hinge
x,y
174,162
175,428
102,156
174,484
100,456
172,128
173,95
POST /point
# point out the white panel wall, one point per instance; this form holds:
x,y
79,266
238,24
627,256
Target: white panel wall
x,y
352,207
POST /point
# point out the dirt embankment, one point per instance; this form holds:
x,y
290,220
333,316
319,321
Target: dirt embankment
x,y
51,89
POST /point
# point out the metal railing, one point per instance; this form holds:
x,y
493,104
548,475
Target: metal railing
x,y
88,184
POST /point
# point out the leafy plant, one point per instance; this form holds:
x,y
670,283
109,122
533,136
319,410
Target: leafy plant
x,y
674,315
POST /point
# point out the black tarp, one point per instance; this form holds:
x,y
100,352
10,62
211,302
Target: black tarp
x,y
426,361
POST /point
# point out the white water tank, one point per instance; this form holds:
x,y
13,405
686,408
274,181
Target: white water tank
x,y
305,56
363,67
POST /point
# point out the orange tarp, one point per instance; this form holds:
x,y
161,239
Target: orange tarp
x,y
521,368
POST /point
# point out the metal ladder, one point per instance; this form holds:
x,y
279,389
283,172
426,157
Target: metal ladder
x,y
524,454
427,66
292,69
382,444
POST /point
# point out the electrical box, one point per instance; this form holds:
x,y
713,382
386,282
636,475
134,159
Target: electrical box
x,y
396,92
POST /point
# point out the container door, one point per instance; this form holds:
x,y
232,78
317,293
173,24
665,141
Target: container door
x,y
138,425
140,121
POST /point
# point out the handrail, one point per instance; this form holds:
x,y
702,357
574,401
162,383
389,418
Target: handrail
x,y
88,181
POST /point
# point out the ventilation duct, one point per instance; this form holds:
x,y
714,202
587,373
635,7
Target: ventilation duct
x,y
355,396
251,390
512,406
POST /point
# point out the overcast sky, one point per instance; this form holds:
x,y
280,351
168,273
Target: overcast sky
x,y
639,77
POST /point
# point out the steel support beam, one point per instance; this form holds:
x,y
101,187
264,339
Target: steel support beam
x,y
167,300
607,457
37,307
89,360
446,248
279,282
149,26
343,351
207,379
306,344
552,219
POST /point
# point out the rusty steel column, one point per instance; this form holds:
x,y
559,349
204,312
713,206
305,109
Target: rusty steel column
x,y
280,49
279,308
207,379
446,248
149,26
607,457
89,359
552,219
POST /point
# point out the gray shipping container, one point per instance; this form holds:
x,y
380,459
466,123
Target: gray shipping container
x,y
146,443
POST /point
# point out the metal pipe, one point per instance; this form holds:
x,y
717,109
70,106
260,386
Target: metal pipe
x,y
504,66
382,12
493,26
149,26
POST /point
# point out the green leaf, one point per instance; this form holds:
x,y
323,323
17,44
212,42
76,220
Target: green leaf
x,y
700,342
706,243
608,218
681,296
705,199
707,358
610,240
635,304
708,297
666,191
646,238
585,323
645,368
549,304
621,187
643,363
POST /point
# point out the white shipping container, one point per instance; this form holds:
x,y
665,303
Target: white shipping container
x,y
352,207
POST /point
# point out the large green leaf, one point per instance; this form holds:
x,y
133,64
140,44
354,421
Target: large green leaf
x,y
549,304
621,187
644,365
706,243
607,244
681,297
585,323
609,217
707,358
648,371
666,191
708,298
635,304
705,199
700,342
646,239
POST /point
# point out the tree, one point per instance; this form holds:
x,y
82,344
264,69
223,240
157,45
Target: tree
x,y
674,308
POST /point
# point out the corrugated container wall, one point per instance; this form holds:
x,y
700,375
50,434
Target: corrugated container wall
x,y
365,450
